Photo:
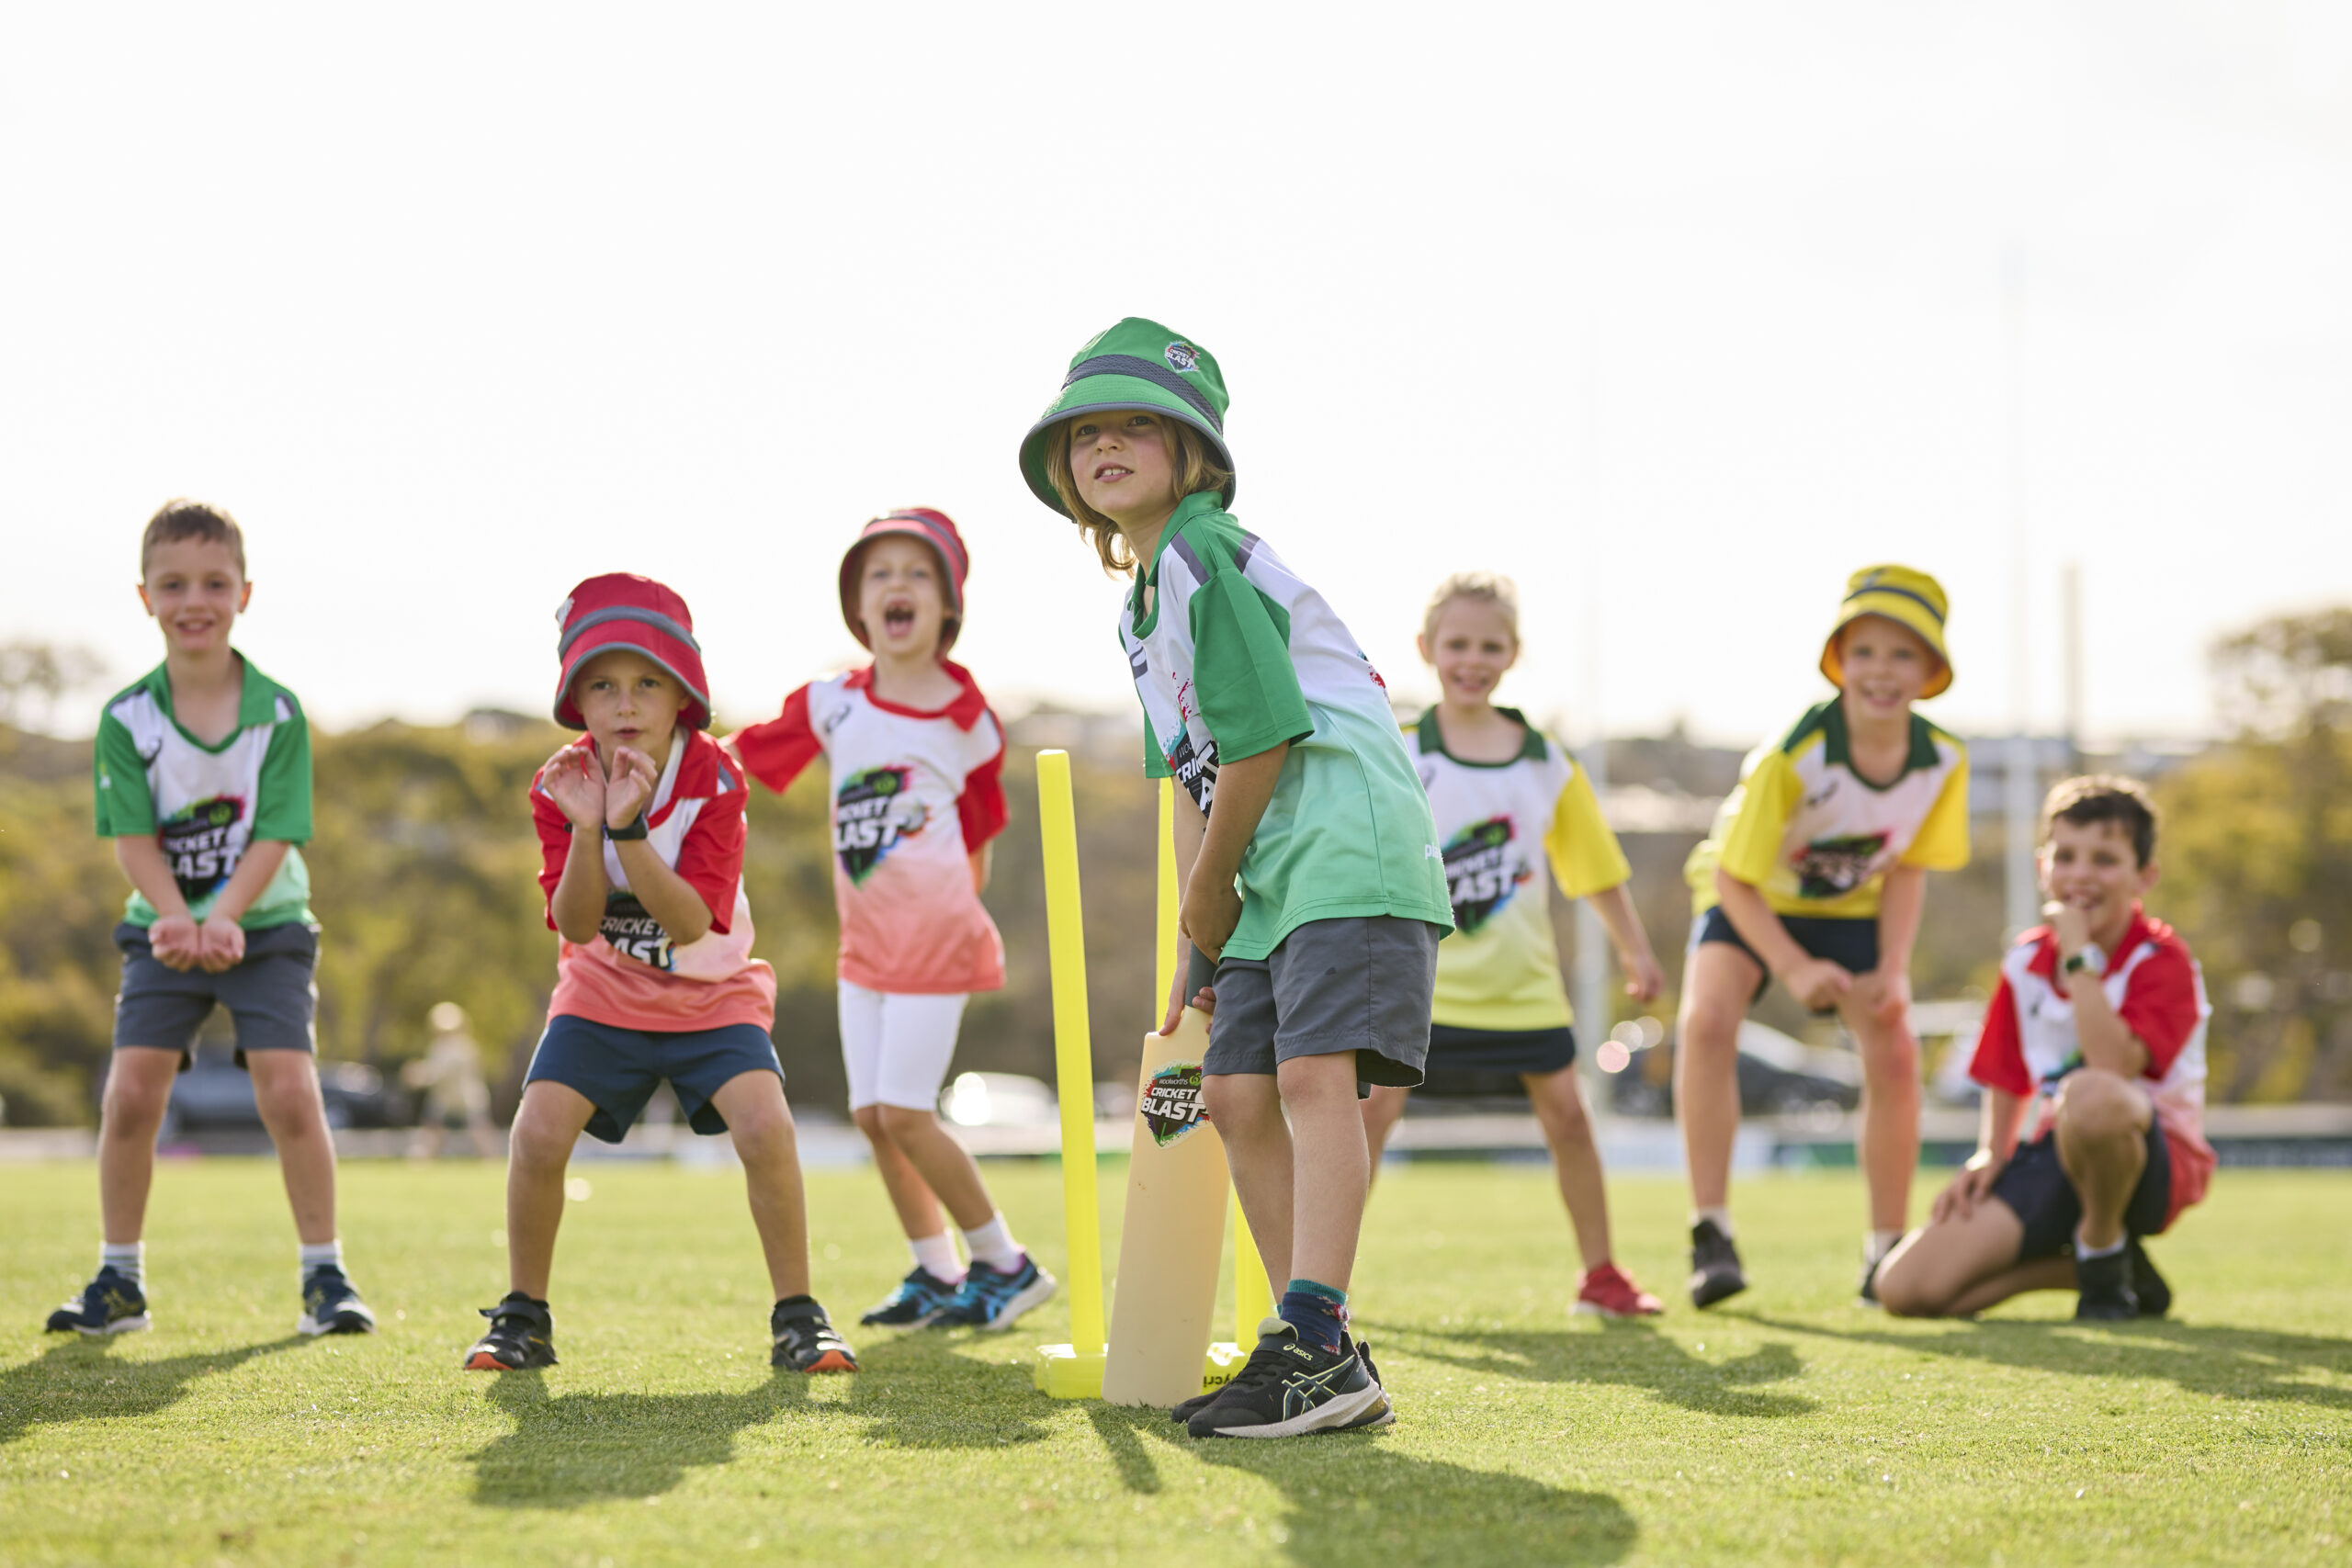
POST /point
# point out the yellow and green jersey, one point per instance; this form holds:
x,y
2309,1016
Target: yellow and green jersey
x,y
1498,824
1816,837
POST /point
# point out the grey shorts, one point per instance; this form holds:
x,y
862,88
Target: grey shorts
x,y
1362,982
270,995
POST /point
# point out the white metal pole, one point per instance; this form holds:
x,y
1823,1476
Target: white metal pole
x,y
2021,781
1592,1008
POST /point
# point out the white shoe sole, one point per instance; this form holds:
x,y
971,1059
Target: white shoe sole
x,y
119,1325
311,1325
1594,1309
1035,1295
1333,1414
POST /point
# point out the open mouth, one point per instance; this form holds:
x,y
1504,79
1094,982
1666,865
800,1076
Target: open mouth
x,y
1110,472
898,620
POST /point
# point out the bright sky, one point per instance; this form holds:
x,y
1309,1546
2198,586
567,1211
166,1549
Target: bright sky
x,y
1678,314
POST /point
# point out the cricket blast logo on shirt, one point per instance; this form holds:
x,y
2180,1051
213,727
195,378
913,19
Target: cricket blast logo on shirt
x,y
1829,868
1478,875
196,844
1171,1107
1193,771
633,931
871,815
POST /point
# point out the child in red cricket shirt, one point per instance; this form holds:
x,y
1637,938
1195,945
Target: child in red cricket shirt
x,y
641,827
916,760
2103,1012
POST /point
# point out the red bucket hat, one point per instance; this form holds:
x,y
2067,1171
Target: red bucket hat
x,y
934,528
623,610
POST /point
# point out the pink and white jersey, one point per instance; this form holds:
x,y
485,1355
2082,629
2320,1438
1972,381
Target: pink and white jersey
x,y
632,975
2029,1042
914,794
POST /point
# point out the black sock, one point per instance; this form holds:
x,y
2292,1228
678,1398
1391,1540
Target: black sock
x,y
800,1306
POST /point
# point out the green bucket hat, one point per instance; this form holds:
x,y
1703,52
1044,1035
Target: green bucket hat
x,y
1135,365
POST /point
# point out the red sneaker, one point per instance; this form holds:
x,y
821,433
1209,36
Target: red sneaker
x,y
1610,1291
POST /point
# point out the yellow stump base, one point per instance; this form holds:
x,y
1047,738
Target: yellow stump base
x,y
1063,1374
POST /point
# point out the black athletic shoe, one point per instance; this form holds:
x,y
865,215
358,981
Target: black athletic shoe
x,y
1866,1293
2156,1296
994,1298
331,1304
1715,1274
806,1341
109,1303
2105,1284
1289,1388
522,1335
913,1302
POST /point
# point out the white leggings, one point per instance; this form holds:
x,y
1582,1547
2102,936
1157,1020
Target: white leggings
x,y
896,1046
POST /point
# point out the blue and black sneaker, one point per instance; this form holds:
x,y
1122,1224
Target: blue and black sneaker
x,y
1289,1388
913,1302
331,1304
110,1303
521,1337
994,1298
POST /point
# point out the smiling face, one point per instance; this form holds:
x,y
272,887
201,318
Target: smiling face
x,y
1887,666
1470,646
195,591
2092,866
629,700
901,597
1124,465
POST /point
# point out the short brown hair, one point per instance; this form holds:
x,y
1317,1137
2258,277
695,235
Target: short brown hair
x,y
1197,466
2105,798
1485,587
177,520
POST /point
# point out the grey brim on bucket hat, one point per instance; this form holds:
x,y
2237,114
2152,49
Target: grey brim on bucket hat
x,y
1137,364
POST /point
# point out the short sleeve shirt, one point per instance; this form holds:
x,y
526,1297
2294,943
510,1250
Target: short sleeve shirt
x,y
2029,1045
1816,837
207,804
630,974
1233,654
914,792
1499,825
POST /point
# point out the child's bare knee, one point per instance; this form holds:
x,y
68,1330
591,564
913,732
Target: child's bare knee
x,y
870,1121
1239,1102
899,1122
2098,1107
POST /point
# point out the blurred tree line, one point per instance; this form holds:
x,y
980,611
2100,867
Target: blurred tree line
x,y
423,869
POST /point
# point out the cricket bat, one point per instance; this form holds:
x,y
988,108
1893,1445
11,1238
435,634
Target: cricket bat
x,y
1175,1222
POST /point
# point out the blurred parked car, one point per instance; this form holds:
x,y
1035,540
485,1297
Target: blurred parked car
x,y
216,1095
1779,1075
998,1100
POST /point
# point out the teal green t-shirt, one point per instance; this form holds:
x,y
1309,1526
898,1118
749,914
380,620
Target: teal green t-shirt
x,y
205,806
1237,655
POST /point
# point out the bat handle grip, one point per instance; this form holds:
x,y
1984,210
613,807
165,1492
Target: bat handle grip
x,y
1200,972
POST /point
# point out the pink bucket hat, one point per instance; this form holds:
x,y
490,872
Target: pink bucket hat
x,y
623,610
934,528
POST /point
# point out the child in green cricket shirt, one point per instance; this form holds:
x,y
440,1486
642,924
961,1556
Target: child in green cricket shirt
x,y
203,782
1311,870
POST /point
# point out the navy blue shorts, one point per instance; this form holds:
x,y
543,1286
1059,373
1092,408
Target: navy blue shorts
x,y
269,994
1845,941
2035,1187
617,1069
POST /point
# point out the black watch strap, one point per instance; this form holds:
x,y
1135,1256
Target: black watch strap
x,y
634,830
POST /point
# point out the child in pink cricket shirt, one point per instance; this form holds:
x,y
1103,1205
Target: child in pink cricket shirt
x,y
916,758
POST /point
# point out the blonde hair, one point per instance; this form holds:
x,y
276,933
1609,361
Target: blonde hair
x,y
1485,587
1195,462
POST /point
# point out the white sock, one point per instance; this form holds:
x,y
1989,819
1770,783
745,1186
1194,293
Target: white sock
x,y
1721,1216
1878,1244
2081,1251
993,1245
936,1256
323,1253
128,1258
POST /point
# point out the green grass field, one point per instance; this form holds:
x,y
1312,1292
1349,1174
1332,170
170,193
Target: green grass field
x,y
1790,1426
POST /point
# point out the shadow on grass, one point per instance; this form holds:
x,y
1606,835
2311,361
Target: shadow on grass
x,y
2232,1364
1628,1354
571,1447
81,1380
1353,1497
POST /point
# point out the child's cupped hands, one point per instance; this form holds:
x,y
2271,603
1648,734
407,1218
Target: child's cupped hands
x,y
575,780
221,945
629,788
177,941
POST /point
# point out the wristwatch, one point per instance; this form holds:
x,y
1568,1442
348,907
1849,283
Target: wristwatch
x,y
634,830
2090,957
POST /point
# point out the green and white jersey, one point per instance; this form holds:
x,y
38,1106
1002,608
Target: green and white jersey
x,y
206,804
1233,654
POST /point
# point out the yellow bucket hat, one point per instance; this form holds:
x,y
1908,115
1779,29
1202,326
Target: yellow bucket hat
x,y
1908,598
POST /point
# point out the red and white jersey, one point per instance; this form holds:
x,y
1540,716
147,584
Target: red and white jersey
x,y
914,793
632,975
2029,1042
